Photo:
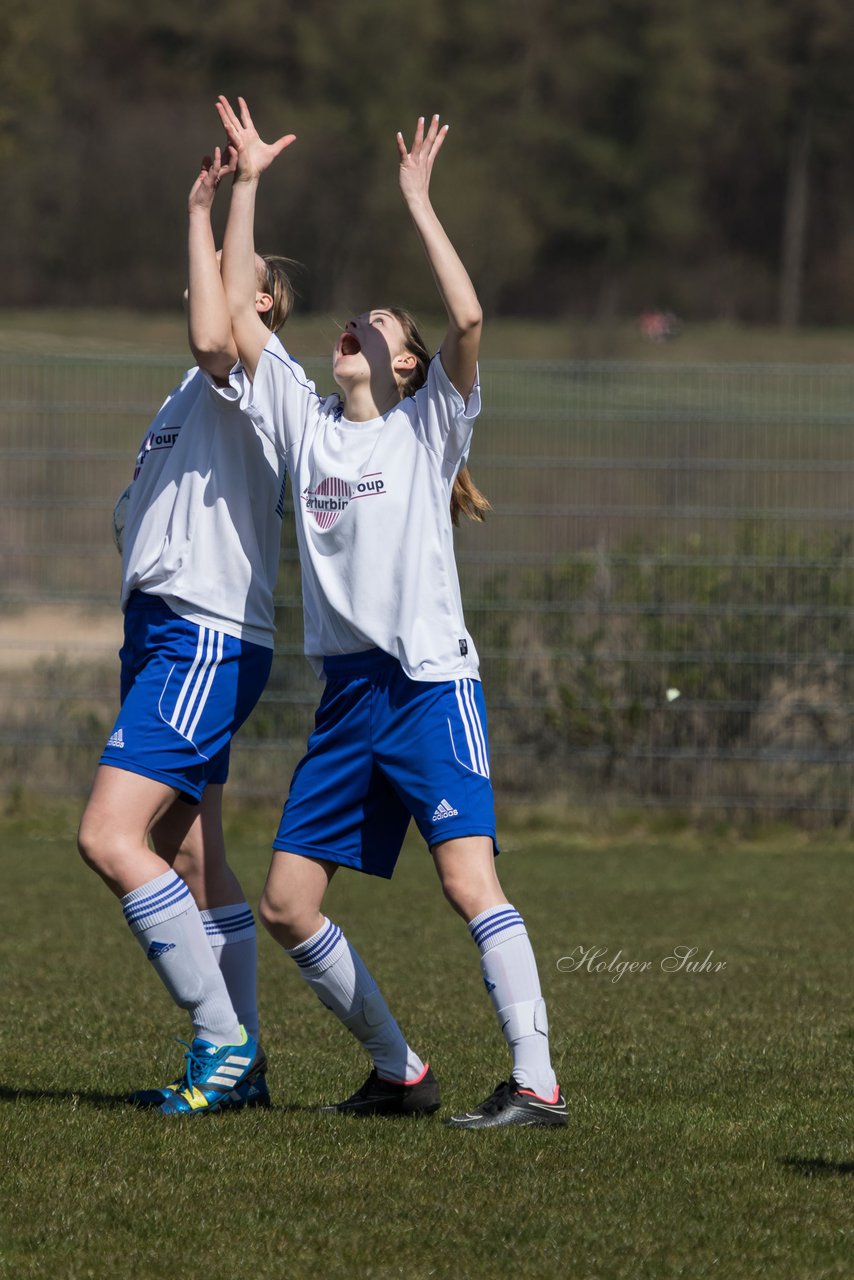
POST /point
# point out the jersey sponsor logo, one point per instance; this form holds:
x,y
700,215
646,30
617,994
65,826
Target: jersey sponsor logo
x,y
116,739
162,439
328,501
444,810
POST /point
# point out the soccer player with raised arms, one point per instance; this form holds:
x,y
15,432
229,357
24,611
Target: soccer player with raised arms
x,y
200,530
401,727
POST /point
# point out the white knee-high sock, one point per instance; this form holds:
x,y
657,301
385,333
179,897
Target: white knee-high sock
x,y
232,937
510,974
166,922
338,976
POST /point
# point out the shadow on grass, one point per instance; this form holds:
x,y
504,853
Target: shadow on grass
x,y
817,1167
9,1093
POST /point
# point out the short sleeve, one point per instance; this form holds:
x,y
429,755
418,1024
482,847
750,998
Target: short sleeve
x,y
282,399
444,420
236,390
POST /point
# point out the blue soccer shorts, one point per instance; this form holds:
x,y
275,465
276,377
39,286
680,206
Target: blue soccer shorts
x,y
386,748
185,690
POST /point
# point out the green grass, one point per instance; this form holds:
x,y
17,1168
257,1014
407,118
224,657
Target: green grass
x,y
64,331
711,1118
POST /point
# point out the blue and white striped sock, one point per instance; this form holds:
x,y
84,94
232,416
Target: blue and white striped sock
x,y
510,975
231,934
337,975
166,922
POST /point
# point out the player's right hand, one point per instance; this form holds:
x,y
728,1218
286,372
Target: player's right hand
x,y
253,154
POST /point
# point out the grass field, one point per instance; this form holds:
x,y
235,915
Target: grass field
x,y
712,1127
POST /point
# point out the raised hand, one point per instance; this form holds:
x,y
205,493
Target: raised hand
x,y
212,172
252,153
416,165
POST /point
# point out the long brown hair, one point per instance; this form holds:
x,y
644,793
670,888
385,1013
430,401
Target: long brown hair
x,y
466,498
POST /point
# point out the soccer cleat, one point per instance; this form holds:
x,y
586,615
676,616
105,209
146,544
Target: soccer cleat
x,y
215,1078
511,1104
146,1098
378,1097
251,1093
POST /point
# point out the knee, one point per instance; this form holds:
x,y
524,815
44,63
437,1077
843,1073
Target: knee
x,y
91,842
279,916
288,919
469,894
459,893
105,847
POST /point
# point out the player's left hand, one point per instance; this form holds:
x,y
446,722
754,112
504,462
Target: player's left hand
x,y
416,164
212,172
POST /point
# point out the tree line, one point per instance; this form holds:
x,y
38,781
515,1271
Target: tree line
x,y
604,156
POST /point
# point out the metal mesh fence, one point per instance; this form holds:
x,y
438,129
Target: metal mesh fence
x,y
662,597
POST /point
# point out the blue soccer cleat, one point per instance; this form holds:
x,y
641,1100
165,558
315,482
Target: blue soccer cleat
x,y
218,1078
155,1097
251,1093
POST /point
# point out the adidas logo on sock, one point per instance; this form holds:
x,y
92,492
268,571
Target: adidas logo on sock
x,y
158,949
116,739
444,810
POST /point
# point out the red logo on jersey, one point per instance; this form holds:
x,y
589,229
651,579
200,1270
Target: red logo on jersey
x,y
328,502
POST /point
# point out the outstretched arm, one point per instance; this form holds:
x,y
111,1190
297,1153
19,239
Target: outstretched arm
x,y
461,343
208,321
238,251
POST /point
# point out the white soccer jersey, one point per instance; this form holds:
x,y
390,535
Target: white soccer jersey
x,y
373,521
204,516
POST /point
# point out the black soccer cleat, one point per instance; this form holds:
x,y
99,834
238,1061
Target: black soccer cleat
x,y
378,1097
511,1104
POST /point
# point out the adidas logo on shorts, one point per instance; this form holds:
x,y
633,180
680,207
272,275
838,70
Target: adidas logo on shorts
x,y
444,810
116,739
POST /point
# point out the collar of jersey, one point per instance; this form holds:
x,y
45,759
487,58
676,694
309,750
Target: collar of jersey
x,y
360,426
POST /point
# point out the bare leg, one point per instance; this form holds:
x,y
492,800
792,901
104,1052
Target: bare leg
x,y
466,869
190,838
113,835
293,895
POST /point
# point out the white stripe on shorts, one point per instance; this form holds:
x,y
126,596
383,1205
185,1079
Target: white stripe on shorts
x,y
188,681
472,727
217,659
477,728
197,685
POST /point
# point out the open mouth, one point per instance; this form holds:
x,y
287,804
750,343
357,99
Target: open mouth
x,y
350,344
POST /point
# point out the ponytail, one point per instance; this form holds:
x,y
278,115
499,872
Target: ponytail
x,y
467,499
